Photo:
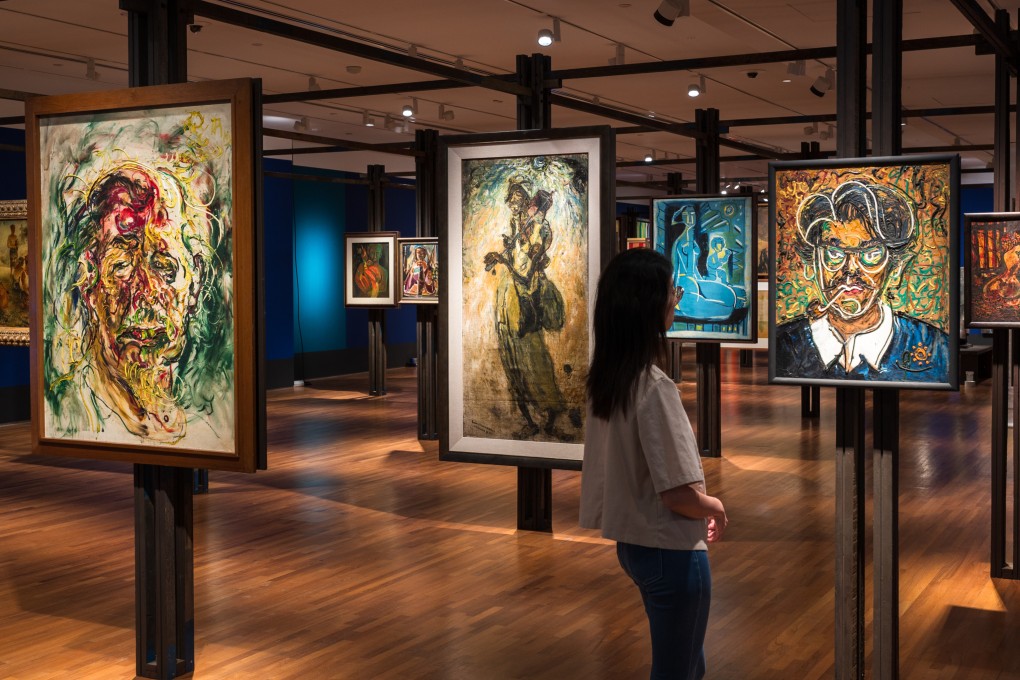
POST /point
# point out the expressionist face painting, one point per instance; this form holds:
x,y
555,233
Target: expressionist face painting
x,y
524,252
137,278
993,265
710,242
13,273
371,270
864,274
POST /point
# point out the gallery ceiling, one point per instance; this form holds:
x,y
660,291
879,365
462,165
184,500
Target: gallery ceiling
x,y
63,46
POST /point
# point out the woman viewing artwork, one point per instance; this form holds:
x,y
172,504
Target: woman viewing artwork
x,y
642,482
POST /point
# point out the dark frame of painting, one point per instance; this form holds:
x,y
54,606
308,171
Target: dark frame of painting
x,y
600,248
415,299
750,265
997,219
387,238
11,211
952,312
242,96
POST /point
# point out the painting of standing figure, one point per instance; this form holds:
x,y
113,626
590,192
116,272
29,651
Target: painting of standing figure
x,y
711,243
521,271
144,279
419,280
14,273
992,263
369,277
865,282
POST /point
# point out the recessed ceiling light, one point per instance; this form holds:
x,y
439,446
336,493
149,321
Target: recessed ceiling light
x,y
787,80
256,44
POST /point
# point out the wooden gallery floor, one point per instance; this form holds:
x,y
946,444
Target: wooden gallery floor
x,y
359,555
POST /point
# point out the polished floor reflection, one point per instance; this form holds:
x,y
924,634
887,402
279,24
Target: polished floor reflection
x,y
359,555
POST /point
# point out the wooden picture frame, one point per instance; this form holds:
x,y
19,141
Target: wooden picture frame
x,y
419,282
14,273
145,250
508,196
894,276
711,242
370,269
991,244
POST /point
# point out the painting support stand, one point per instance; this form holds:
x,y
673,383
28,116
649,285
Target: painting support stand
x,y
376,317
887,81
164,500
674,361
851,27
708,355
534,111
426,143
810,396
1005,354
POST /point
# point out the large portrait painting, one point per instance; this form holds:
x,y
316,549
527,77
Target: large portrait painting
x,y
865,283
527,220
370,269
711,242
992,270
14,273
143,232
419,270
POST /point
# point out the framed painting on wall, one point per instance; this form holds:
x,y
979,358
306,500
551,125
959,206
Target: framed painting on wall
x,y
144,232
419,270
865,285
711,242
14,273
371,269
529,224
991,268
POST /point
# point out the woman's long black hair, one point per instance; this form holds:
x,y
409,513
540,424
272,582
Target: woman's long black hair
x,y
630,308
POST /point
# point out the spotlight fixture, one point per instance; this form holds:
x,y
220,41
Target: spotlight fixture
x,y
796,68
724,192
412,50
459,62
619,59
824,83
696,89
811,129
389,123
445,113
650,156
313,84
669,10
301,124
367,119
410,109
90,69
737,187
956,141
547,37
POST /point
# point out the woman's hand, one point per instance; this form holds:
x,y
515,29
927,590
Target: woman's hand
x,y
716,527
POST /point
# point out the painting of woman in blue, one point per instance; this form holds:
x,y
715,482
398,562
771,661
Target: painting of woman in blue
x,y
707,241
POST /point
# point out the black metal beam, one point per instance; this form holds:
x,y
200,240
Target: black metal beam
x,y
683,129
343,147
282,29
751,59
997,36
367,91
333,141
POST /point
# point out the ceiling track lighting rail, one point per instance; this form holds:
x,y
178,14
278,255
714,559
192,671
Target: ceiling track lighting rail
x,y
333,141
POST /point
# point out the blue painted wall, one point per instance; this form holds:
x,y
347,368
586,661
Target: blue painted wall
x,y
13,360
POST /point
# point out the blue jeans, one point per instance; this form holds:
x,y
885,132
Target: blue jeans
x,y
676,587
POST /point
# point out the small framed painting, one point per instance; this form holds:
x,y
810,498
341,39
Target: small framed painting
x,y
14,273
371,270
419,270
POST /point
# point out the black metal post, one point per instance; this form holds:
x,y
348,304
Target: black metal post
x,y
534,111
1003,360
708,355
376,317
851,29
674,187
810,395
164,500
426,142
887,80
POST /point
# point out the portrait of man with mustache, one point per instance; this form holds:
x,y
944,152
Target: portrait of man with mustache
x,y
855,241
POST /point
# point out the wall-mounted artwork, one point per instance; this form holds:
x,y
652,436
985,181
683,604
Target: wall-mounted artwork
x,y
528,218
371,269
865,283
143,231
419,270
14,273
992,270
711,243
762,228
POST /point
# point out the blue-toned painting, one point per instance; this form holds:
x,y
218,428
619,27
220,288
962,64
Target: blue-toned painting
x,y
711,242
